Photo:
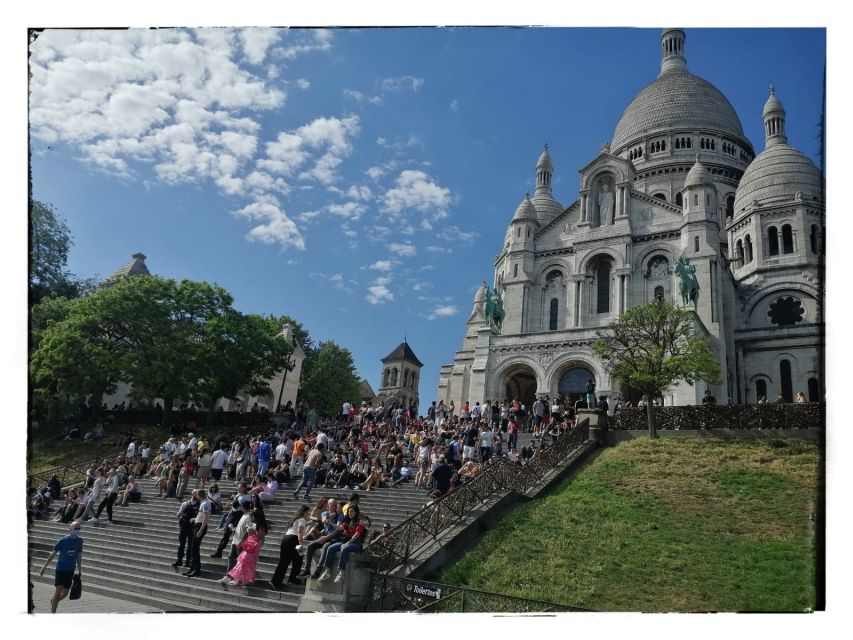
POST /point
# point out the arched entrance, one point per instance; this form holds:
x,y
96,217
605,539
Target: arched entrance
x,y
520,383
572,384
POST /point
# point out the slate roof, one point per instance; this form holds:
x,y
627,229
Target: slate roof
x,y
403,352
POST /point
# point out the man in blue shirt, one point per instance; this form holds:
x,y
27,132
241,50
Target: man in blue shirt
x,y
263,455
70,550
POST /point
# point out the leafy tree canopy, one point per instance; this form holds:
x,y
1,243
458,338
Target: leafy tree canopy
x,y
331,380
50,241
654,346
167,339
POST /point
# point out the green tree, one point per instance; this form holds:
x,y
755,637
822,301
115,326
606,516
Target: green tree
x,y
166,339
331,380
241,353
50,241
654,346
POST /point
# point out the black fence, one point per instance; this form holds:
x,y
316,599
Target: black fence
x,y
70,474
228,419
391,593
810,415
500,477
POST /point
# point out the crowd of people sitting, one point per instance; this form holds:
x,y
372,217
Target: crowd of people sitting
x,y
359,451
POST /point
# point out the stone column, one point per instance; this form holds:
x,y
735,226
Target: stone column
x,y
584,212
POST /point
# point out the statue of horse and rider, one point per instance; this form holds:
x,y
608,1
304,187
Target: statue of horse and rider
x,y
494,308
688,284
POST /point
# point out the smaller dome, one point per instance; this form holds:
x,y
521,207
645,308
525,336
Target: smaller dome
x,y
698,175
778,174
525,211
480,296
544,161
546,206
773,104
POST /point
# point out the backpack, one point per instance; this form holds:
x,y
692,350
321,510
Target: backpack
x,y
188,512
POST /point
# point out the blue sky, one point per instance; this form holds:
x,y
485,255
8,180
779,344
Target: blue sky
x,y
360,180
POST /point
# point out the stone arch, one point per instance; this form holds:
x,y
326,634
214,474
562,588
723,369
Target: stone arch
x,y
551,265
807,293
614,171
571,361
641,258
598,253
520,370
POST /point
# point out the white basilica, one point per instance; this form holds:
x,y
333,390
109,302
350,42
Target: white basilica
x,y
678,180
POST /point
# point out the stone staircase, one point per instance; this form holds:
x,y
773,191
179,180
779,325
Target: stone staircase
x,y
132,559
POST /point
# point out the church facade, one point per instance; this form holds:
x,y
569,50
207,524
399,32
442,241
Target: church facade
x,y
678,184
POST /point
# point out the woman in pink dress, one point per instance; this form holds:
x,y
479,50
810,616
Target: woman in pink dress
x,y
243,573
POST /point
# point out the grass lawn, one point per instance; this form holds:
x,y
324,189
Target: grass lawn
x,y
664,525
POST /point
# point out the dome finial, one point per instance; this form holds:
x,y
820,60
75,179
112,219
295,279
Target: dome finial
x,y
672,50
774,120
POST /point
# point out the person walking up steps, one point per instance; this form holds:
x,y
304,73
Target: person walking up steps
x,y
70,550
309,471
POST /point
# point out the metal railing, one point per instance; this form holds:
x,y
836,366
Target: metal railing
x,y
71,474
392,593
500,477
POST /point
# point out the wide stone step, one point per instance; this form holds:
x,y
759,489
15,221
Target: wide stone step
x,y
169,584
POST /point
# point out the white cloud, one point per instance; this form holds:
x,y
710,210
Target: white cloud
x,y
456,235
302,83
401,146
256,42
278,228
454,106
337,280
374,173
438,249
417,191
358,96
308,216
302,41
403,249
351,210
382,265
378,292
443,311
401,82
182,101
357,192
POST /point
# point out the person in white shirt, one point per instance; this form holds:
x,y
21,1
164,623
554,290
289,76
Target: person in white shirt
x,y
131,450
109,498
322,438
345,410
217,462
280,450
193,443
290,545
200,525
486,443
204,469
94,495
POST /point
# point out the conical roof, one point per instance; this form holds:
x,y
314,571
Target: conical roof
x,y
698,175
525,211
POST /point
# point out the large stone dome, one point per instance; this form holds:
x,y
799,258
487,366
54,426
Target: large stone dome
x,y
677,99
776,175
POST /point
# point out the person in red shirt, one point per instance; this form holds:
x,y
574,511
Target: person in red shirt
x,y
353,534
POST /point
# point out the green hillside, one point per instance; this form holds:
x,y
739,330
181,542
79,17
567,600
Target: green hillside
x,y
664,525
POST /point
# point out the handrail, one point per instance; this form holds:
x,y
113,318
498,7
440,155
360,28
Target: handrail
x,y
432,519
69,474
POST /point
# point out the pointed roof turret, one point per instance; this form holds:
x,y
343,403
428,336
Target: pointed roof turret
x,y
525,211
403,352
698,175
774,120
544,203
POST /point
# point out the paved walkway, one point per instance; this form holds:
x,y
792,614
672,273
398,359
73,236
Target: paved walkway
x,y
88,602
